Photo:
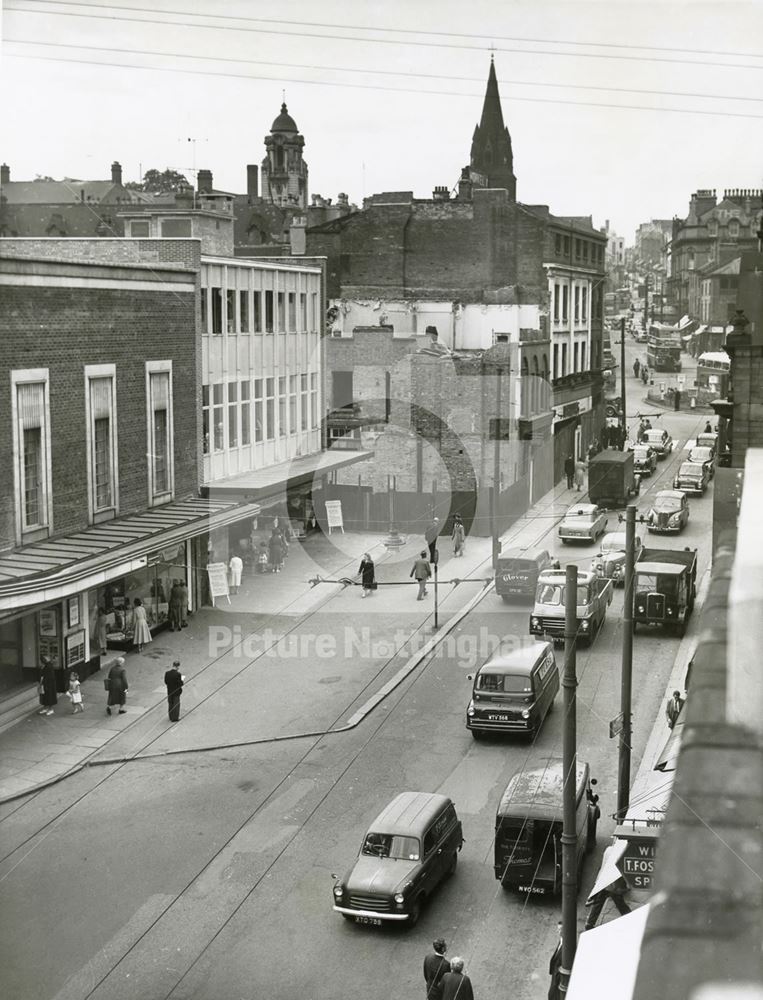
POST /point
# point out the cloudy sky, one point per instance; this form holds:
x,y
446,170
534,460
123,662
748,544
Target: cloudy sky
x,y
617,108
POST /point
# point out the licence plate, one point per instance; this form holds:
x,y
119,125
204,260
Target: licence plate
x,y
498,718
375,921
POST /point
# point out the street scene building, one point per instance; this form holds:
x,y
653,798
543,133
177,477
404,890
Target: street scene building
x,y
316,508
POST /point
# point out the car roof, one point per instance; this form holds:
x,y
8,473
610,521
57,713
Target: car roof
x,y
539,791
700,447
526,555
670,495
582,508
518,661
409,813
691,465
656,430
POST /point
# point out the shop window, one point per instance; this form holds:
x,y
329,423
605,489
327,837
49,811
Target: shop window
x,y
245,389
33,452
233,414
303,311
218,407
102,474
303,401
268,312
281,316
257,311
205,418
292,301
313,400
282,429
243,310
160,432
216,295
270,427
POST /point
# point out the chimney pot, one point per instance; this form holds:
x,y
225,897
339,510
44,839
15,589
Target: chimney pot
x,y
116,172
204,181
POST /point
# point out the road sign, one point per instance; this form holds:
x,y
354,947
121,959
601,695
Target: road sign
x,y
616,726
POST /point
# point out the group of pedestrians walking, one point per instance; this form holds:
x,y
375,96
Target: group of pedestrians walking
x,y
445,979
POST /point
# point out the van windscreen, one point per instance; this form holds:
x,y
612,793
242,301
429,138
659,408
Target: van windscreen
x,y
384,845
504,683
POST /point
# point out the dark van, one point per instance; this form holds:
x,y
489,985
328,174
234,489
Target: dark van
x,y
410,847
514,691
517,572
528,828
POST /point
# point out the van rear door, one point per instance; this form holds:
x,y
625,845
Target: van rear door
x,y
513,850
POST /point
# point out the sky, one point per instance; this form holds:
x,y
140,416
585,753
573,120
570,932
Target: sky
x,y
618,109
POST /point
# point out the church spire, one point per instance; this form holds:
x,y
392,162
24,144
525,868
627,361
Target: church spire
x,y
491,155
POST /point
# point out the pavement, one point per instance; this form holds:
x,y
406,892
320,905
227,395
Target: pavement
x,y
248,678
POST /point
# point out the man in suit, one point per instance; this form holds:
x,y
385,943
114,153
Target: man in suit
x,y
435,967
673,708
174,681
456,985
421,571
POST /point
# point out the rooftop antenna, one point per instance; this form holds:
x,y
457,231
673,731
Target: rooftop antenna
x,y
193,142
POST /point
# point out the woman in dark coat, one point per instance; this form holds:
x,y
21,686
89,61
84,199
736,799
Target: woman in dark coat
x,y
176,606
275,551
48,696
367,572
117,681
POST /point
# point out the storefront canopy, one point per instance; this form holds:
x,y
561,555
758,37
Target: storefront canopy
x,y
607,957
59,567
264,484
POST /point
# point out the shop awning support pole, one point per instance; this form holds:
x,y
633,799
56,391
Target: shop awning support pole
x,y
569,788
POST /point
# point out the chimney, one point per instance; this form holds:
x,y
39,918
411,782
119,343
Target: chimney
x,y
465,186
204,181
252,180
343,200
5,174
116,173
184,198
441,193
297,239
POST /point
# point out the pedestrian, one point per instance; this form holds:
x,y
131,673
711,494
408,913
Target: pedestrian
x,y
673,708
636,367
236,567
579,474
101,629
641,435
275,551
554,967
456,985
183,604
458,536
591,451
435,967
708,428
367,572
422,571
174,681
597,446
615,892
569,470
645,374
262,557
430,536
141,633
75,693
176,606
116,684
47,686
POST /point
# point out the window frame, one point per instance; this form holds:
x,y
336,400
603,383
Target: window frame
x,y
157,496
28,533
95,513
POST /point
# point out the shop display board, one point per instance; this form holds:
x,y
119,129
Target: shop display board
x,y
334,515
218,581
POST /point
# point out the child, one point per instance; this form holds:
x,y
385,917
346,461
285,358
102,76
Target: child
x,y
262,557
75,693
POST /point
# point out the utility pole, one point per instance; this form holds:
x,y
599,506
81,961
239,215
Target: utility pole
x,y
569,767
497,467
624,746
622,378
436,606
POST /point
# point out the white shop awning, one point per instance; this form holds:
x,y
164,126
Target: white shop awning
x,y
607,957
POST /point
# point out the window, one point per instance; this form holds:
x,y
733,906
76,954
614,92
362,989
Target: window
x,y
292,404
268,312
558,243
585,249
576,299
575,357
259,429
270,428
565,303
177,228
217,309
160,430
557,298
564,359
218,405
556,361
582,357
138,229
204,310
577,249
245,390
282,430
205,419
292,320
303,401
281,316
303,311
233,414
33,450
566,242
101,428
314,311
313,399
584,303
230,310
257,311
243,311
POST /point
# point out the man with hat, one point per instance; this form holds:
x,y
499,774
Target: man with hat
x,y
174,681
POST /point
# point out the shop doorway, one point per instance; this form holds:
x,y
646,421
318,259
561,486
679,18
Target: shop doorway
x,y
11,674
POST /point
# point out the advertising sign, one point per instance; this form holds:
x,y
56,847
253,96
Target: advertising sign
x,y
637,863
334,515
218,581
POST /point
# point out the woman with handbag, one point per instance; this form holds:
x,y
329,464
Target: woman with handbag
x,y
116,684
47,687
367,572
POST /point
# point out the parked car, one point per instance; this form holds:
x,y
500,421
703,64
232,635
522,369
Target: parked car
x,y
410,847
583,522
692,478
660,441
610,562
669,512
644,458
704,456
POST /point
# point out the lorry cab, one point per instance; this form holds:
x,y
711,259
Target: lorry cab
x,y
514,691
528,828
548,615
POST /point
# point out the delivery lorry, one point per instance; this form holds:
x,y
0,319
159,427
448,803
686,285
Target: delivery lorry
x,y
612,480
665,587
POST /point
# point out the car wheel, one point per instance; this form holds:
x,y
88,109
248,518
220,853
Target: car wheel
x,y
476,735
505,598
563,541
414,913
347,916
